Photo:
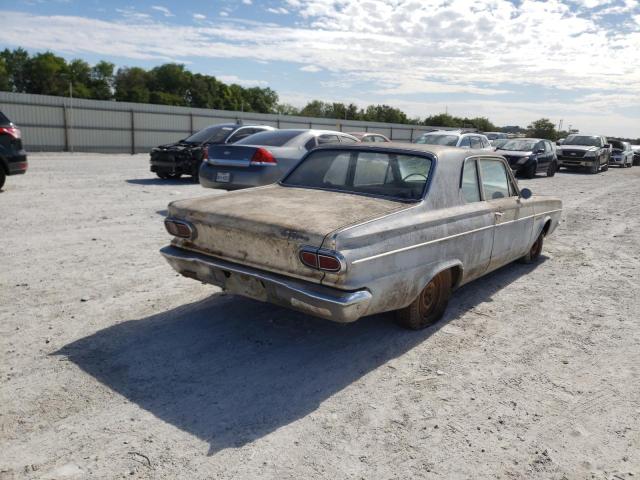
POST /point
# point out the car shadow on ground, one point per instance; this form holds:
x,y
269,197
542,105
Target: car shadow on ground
x,y
160,181
231,370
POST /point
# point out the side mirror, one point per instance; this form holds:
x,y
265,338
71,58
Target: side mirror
x,y
539,150
525,193
606,145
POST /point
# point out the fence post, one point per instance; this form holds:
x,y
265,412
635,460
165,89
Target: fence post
x,y
133,133
391,133
66,127
191,123
411,137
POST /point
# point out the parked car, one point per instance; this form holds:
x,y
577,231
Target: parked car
x,y
591,151
370,137
528,156
355,230
454,138
13,158
622,154
636,155
493,136
184,157
262,158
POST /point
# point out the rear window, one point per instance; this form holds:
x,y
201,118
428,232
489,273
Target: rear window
x,y
450,140
384,174
214,134
4,120
276,138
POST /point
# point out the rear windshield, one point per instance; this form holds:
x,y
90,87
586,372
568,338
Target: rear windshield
x,y
384,174
4,120
214,134
450,140
276,138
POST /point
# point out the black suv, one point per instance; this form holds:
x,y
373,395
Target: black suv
x,y
13,158
184,157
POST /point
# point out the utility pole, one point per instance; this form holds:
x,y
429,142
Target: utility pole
x,y
71,115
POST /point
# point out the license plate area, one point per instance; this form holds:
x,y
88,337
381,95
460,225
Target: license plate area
x,y
223,177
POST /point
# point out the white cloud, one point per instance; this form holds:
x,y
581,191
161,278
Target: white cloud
x,y
241,81
247,2
164,10
199,16
278,11
310,68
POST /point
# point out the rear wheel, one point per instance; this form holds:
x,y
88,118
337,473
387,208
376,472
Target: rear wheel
x,y
430,304
535,250
3,177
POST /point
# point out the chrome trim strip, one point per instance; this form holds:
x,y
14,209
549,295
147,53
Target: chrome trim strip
x,y
437,240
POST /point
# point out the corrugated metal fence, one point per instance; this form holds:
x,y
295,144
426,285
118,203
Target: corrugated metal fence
x,y
62,124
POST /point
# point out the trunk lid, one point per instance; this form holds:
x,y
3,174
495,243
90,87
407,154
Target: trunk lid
x,y
265,227
241,155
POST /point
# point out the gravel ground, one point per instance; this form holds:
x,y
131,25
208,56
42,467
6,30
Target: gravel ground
x,y
112,366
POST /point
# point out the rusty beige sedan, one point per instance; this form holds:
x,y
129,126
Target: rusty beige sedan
x,y
363,229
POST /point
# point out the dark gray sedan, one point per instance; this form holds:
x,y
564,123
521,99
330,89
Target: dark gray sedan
x,y
262,158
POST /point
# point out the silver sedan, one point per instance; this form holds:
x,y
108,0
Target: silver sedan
x,y
263,158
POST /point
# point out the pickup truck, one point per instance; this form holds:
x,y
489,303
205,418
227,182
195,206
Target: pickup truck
x,y
590,151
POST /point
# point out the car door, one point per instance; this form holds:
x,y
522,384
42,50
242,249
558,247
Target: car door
x,y
542,155
513,215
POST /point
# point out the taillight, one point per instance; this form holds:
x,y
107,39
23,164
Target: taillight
x,y
263,157
324,260
180,229
11,131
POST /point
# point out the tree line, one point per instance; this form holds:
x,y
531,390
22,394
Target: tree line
x,y
172,84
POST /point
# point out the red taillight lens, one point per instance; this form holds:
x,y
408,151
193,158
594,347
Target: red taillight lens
x,y
310,259
11,131
328,263
179,229
263,157
321,260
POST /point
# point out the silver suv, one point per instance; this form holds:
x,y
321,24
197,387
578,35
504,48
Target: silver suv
x,y
455,138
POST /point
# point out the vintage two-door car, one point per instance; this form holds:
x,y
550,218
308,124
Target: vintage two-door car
x,y
355,230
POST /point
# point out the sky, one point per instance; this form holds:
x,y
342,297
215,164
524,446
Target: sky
x,y
514,61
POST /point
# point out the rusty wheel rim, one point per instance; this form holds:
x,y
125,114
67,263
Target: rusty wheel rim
x,y
428,299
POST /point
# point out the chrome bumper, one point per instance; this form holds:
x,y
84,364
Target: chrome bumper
x,y
318,300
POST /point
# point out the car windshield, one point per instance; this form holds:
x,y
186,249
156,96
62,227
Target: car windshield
x,y
274,138
498,143
583,140
214,134
519,145
450,140
383,174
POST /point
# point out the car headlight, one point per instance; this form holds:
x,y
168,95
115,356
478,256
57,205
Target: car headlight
x,y
590,153
523,160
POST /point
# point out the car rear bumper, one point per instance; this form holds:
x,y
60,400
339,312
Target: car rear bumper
x,y
239,177
313,299
17,164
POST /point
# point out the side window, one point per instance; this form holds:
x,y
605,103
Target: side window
x,y
323,139
344,139
465,143
368,138
475,142
240,134
470,187
495,181
379,139
485,143
337,172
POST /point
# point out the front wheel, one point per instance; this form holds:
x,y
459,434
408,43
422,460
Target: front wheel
x,y
3,177
430,304
530,170
595,167
553,168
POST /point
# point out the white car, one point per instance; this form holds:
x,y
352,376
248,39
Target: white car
x,y
453,138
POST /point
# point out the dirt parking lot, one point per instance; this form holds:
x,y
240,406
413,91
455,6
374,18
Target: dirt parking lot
x,y
113,367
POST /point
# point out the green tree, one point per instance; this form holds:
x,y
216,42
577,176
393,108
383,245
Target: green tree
x,y
5,79
170,83
79,74
442,120
542,128
286,109
16,62
131,85
47,74
102,81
